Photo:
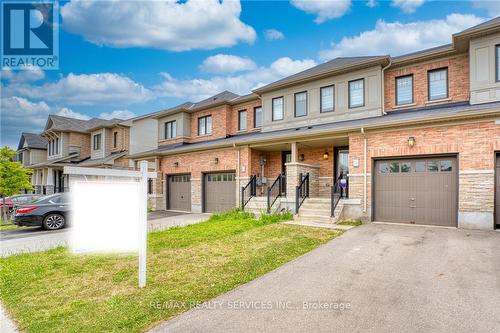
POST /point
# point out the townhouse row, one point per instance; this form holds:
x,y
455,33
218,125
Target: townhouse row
x,y
408,139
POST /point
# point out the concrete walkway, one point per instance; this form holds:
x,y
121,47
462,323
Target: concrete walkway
x,y
374,278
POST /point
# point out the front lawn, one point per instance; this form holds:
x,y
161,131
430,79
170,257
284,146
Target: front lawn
x,y
7,225
55,291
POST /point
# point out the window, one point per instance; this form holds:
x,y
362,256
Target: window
x,y
446,165
327,99
97,141
405,167
242,120
438,84
150,186
420,166
301,104
394,167
205,125
257,117
432,166
115,139
383,168
170,129
53,147
356,93
278,108
404,90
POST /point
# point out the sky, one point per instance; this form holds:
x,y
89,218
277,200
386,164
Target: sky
x,y
129,58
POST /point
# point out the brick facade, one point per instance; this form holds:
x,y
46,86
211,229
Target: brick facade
x,y
458,81
474,143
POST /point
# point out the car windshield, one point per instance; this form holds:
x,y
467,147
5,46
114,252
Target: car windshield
x,y
47,198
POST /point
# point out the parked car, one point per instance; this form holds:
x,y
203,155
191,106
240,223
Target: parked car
x,y
20,199
50,212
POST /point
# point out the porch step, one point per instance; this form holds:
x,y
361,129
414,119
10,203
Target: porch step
x,y
319,225
314,211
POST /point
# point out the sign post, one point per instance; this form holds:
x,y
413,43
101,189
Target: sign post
x,y
134,193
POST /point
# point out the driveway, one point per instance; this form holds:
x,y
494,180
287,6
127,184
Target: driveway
x,y
34,239
374,278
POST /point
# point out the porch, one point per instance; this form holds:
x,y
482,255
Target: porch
x,y
50,180
284,175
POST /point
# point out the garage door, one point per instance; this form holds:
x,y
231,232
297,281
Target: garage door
x,y
220,191
497,201
179,192
420,191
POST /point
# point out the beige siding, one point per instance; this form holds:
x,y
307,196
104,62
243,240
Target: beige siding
x,y
99,153
37,156
483,85
183,122
143,135
372,107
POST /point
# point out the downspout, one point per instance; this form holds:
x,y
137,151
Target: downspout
x,y
365,195
383,86
238,172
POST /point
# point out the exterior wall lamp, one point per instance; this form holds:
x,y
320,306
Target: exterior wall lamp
x,y
175,164
301,157
326,155
411,141
216,160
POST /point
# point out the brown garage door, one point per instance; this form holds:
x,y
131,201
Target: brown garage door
x,y
420,191
497,191
179,192
220,191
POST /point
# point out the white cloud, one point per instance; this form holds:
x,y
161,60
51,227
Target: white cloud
x,y
408,6
65,112
34,73
323,9
226,63
371,3
197,88
86,89
22,115
119,114
170,25
273,34
492,6
396,38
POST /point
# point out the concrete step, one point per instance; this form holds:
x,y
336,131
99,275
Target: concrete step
x,y
314,211
314,218
319,225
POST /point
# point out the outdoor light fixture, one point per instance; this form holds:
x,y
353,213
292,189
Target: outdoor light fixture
x,y
411,141
175,164
301,157
326,155
216,160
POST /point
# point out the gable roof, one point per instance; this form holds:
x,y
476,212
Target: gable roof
x,y
106,124
32,140
330,67
66,124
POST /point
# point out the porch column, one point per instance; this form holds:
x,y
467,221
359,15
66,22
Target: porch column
x,y
50,181
295,152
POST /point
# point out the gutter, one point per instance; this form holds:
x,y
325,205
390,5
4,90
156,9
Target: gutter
x,y
365,186
383,86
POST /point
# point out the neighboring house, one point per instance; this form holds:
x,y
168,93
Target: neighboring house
x,y
69,141
32,149
416,136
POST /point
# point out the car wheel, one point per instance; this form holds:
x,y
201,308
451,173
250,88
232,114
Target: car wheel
x,y
54,222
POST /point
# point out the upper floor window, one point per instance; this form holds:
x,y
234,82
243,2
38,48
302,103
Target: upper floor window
x,y
97,141
278,111
242,120
404,90
327,98
356,93
53,147
438,84
115,139
205,125
301,104
497,62
257,117
170,129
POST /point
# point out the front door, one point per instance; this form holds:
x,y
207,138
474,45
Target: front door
x,y
342,168
286,157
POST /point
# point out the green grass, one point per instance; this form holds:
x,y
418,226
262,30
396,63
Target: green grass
x,y
7,225
55,291
353,223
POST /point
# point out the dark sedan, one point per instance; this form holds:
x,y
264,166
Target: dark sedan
x,y
50,212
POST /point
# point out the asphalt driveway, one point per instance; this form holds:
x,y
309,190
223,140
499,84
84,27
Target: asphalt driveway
x,y
374,278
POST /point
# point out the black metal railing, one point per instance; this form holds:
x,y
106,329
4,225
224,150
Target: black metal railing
x,y
61,189
339,190
301,191
248,191
275,191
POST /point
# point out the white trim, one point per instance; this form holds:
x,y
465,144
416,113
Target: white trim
x,y
73,170
368,174
302,164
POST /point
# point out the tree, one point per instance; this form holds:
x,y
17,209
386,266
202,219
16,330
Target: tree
x,y
13,177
